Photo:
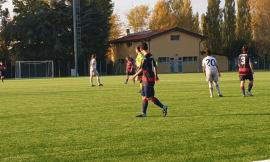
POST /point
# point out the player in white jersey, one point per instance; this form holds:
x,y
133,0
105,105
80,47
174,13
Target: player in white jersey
x,y
210,68
93,71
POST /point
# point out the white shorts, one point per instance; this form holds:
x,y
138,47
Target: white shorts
x,y
93,72
211,76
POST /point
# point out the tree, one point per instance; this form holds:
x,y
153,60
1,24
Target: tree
x,y
228,27
42,30
95,20
196,23
213,19
176,7
182,11
116,27
187,16
115,32
4,14
138,18
203,25
38,32
161,17
260,25
243,22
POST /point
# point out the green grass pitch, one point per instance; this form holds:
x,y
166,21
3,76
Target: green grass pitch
x,y
67,120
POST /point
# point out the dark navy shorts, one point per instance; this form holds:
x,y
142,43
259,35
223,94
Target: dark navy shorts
x,y
148,91
246,77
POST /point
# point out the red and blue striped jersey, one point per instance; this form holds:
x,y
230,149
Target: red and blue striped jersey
x,y
148,66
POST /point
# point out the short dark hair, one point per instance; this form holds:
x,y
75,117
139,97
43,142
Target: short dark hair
x,y
208,52
93,56
245,48
144,46
138,48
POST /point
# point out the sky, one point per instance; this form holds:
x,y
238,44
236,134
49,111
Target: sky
x,y
121,7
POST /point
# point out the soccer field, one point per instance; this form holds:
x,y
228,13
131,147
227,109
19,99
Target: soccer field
x,y
67,120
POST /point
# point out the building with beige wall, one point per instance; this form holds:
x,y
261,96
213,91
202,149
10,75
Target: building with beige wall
x,y
176,50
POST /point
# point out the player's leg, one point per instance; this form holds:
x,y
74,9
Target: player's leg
x,y
98,81
2,76
144,104
218,88
151,95
242,86
91,79
210,84
217,85
98,78
134,79
127,77
250,85
215,78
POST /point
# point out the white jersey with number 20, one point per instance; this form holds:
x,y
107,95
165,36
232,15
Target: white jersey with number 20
x,y
210,64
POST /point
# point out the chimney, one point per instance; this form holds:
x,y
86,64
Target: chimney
x,y
127,31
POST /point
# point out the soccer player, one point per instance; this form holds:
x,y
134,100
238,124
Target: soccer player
x,y
130,68
149,78
245,71
93,70
2,71
211,71
139,60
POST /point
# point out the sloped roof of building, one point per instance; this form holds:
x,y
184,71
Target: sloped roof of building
x,y
148,35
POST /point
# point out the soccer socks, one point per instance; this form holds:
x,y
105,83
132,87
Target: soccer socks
x,y
91,80
211,89
157,102
218,88
243,90
250,85
144,106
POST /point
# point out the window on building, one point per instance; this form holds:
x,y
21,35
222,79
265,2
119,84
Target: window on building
x,y
185,59
190,59
175,37
163,59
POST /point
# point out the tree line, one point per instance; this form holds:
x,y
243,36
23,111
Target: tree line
x,y
43,30
226,27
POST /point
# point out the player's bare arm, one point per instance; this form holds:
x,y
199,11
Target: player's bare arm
x,y
203,69
134,76
251,66
156,74
219,74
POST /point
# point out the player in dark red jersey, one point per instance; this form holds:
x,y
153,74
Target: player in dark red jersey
x,y
130,68
2,71
149,78
245,71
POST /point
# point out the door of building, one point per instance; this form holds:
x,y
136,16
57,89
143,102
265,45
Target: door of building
x,y
180,65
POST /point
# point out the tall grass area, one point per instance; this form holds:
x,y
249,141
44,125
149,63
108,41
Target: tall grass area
x,y
67,120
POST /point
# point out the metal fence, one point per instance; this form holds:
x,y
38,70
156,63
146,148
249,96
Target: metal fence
x,y
260,63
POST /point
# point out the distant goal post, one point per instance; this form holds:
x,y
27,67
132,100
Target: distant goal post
x,y
34,69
